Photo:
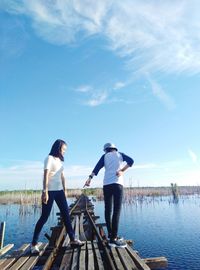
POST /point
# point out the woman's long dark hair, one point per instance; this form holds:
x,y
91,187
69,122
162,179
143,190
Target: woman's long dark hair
x,y
56,149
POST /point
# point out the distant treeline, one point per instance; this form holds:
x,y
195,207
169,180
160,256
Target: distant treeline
x,y
34,196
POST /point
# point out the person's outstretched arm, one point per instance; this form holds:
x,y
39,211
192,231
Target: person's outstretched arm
x,y
97,168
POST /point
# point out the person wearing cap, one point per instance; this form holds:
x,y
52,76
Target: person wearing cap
x,y
113,183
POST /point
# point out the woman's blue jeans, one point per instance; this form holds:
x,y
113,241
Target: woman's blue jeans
x,y
113,194
60,199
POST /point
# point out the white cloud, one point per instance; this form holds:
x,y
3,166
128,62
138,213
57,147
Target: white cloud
x,y
193,156
119,85
29,175
97,98
84,88
151,35
161,94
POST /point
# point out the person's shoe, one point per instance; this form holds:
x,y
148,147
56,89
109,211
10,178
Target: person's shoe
x,y
120,238
35,249
76,243
117,243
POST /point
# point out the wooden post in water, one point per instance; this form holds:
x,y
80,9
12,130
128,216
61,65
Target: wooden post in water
x,y
2,232
174,192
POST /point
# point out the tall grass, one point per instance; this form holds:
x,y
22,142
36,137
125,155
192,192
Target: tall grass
x,y
33,197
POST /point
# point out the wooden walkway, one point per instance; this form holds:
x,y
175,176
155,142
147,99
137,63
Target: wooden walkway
x,y
95,254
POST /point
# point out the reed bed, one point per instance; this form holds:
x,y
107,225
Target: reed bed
x,y
131,194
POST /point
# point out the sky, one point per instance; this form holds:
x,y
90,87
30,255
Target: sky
x,y
91,72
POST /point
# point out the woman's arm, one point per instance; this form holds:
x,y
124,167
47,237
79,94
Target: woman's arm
x,y
45,196
129,162
96,170
64,183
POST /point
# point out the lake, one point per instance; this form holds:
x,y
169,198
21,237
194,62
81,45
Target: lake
x,y
157,226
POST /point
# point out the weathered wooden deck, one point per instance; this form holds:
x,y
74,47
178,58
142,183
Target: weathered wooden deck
x,y
95,254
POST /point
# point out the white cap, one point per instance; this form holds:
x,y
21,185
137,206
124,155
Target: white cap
x,y
109,145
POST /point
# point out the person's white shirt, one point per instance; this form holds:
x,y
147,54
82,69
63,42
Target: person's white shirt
x,y
113,162
55,167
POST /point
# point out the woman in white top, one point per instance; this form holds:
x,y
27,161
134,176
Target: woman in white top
x,y
54,189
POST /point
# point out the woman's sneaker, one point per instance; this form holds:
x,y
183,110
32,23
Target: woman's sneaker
x,y
120,238
35,249
76,243
117,243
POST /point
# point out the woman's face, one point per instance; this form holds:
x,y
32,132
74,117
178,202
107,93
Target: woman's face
x,y
63,149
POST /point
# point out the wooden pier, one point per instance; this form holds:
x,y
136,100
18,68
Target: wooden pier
x,y
95,254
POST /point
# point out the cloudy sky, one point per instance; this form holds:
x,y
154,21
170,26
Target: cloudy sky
x,y
92,72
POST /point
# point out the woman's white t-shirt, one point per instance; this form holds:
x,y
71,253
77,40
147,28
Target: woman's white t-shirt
x,y
55,167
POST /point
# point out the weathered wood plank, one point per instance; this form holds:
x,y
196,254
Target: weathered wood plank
x,y
6,249
66,260
116,259
126,260
76,250
20,262
2,232
156,262
136,258
13,257
34,258
90,256
98,256
82,258
82,233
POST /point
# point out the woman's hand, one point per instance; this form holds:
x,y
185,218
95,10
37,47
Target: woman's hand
x,y
65,191
119,173
87,183
45,197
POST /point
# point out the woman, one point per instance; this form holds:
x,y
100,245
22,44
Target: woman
x,y
54,189
112,160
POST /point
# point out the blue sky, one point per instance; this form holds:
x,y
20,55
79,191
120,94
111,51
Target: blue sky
x,y
92,72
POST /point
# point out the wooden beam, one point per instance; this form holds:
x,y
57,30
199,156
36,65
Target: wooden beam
x,y
14,257
2,232
126,260
6,249
136,258
156,262
90,256
98,256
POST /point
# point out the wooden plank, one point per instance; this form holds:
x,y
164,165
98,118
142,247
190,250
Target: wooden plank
x,y
90,256
76,227
117,261
156,262
137,260
82,233
54,235
126,260
66,260
34,258
82,258
6,249
13,257
98,256
21,261
76,250
2,232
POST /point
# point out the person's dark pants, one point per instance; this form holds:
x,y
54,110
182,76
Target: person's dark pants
x,y
113,194
59,197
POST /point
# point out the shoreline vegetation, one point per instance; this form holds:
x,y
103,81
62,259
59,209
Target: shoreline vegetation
x,y
131,194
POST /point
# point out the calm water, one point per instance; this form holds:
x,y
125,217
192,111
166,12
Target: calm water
x,y
158,228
